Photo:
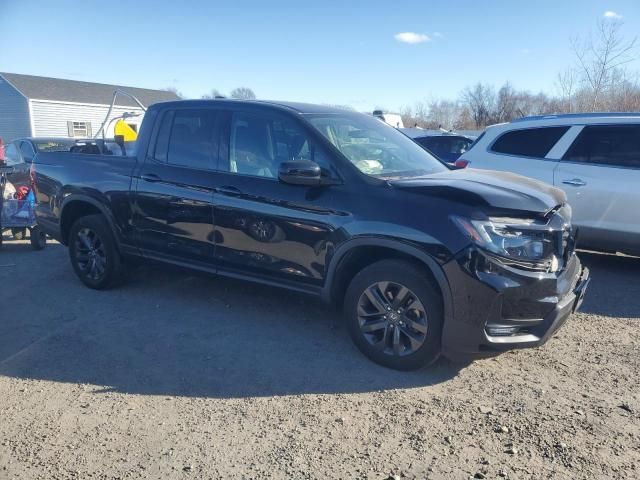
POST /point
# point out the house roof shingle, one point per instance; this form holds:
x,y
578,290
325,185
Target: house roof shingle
x,y
58,89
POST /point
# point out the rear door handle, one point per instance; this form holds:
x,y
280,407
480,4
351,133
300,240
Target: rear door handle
x,y
575,182
150,177
228,190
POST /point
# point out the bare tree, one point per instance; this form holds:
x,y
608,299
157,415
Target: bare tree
x,y
174,90
214,93
506,108
243,93
567,82
600,58
480,100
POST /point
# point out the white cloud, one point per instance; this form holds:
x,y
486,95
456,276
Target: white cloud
x,y
411,37
612,15
438,35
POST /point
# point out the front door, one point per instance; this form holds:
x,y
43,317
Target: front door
x,y
263,226
173,211
600,174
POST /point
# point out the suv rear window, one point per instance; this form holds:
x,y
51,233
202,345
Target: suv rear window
x,y
531,142
616,145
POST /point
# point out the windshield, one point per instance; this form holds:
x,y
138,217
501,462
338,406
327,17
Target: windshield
x,y
374,147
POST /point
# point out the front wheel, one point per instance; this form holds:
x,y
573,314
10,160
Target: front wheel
x,y
94,254
394,315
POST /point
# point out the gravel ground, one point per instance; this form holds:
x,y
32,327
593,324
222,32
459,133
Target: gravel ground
x,y
183,376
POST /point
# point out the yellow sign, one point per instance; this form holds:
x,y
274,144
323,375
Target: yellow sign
x,y
122,128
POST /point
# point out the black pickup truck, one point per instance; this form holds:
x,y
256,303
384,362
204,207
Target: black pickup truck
x,y
423,258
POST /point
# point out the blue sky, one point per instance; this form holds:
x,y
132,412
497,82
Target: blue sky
x,y
338,52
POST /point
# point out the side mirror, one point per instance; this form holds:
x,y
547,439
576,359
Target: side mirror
x,y
300,172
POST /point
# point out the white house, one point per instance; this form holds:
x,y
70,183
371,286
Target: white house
x,y
33,106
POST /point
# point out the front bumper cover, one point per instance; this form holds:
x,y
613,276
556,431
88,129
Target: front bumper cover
x,y
498,308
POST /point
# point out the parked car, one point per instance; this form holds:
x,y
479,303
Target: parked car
x,y
594,158
423,259
447,146
393,119
19,154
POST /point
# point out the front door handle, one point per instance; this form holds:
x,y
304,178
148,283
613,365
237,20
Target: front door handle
x,y
575,182
228,190
150,177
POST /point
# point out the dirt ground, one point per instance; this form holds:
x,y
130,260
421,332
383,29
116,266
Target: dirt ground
x,y
183,376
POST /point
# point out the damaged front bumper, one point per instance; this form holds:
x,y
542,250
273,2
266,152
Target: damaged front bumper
x,y
497,307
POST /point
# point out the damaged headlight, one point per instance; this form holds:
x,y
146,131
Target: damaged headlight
x,y
521,240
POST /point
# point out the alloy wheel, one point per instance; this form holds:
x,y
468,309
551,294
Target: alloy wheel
x,y
392,318
90,254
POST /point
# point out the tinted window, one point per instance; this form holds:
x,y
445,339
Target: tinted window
x,y
27,151
617,145
11,155
191,142
445,145
260,142
532,142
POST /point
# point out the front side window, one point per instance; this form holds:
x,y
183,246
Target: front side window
x,y
615,145
375,148
531,142
260,141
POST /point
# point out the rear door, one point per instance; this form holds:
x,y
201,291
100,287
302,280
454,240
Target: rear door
x,y
173,211
524,151
600,173
13,157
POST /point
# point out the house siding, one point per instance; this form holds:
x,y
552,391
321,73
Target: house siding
x,y
14,113
50,118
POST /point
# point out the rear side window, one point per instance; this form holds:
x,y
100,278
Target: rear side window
x,y
191,143
11,155
531,142
615,145
187,138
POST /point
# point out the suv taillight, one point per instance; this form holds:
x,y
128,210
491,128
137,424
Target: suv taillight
x,y
461,163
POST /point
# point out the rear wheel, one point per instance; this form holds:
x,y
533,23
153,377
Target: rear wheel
x,y
94,255
394,315
38,238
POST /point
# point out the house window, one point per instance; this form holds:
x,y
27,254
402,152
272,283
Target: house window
x,y
79,129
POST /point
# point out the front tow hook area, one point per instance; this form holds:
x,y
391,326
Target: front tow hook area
x,y
581,289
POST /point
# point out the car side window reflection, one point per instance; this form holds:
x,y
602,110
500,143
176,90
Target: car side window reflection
x,y
260,142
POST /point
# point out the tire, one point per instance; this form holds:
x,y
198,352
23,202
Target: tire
x,y
404,330
38,238
94,254
19,233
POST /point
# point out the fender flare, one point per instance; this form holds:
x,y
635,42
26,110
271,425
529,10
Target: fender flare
x,y
427,260
78,197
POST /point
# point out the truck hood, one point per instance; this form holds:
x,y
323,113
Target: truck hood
x,y
486,188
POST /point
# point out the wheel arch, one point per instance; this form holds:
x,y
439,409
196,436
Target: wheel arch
x,y
77,206
355,254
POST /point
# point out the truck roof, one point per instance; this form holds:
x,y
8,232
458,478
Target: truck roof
x,y
289,106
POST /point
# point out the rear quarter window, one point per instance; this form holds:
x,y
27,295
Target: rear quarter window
x,y
612,145
530,142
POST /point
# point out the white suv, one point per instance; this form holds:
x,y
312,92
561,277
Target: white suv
x,y
594,158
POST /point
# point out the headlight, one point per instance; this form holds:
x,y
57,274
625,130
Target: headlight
x,y
517,239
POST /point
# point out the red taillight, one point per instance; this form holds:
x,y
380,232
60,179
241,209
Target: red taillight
x,y
461,163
